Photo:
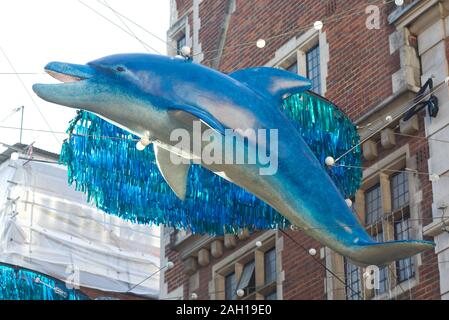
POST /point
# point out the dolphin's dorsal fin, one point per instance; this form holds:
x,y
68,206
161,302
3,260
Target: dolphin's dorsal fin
x,y
272,82
174,174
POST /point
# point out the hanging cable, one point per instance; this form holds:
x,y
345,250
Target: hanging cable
x,y
141,27
146,47
167,266
321,264
393,118
28,93
115,24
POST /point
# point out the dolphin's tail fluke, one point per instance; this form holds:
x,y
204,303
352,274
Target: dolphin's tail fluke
x,y
382,253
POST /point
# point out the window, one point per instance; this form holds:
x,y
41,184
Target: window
x,y
253,271
313,68
353,284
230,286
383,272
373,204
405,267
181,42
270,266
248,278
399,190
293,67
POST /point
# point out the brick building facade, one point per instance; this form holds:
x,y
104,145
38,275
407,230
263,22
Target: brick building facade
x,y
368,59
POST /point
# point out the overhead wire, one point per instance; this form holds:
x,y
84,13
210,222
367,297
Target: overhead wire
x,y
28,93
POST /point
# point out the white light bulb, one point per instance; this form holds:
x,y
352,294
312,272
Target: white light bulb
x,y
446,81
388,118
194,296
14,156
186,51
366,274
170,265
240,292
330,161
349,202
318,25
399,2
140,146
145,141
258,244
312,251
434,177
261,43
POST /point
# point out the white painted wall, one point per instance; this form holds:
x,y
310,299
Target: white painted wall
x,y
47,226
434,64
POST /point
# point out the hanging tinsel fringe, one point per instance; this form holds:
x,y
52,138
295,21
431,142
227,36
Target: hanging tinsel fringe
x,y
21,284
123,181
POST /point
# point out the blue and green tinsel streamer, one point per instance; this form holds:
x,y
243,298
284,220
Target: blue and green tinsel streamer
x,y
123,181
20,284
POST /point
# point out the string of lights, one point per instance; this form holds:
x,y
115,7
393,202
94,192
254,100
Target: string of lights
x,y
241,294
319,262
385,123
318,25
432,177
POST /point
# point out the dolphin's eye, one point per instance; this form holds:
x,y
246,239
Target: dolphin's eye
x,y
120,69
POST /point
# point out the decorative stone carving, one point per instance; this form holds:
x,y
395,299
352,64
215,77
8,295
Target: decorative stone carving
x,y
387,138
230,241
370,150
216,248
190,265
203,257
410,126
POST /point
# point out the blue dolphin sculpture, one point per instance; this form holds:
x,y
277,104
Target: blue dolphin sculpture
x,y
152,96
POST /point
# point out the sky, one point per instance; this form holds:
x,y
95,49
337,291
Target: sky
x,y
33,33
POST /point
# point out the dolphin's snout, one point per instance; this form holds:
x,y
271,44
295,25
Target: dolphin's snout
x,y
67,72
72,91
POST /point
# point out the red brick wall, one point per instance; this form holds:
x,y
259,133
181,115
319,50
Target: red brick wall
x,y
359,78
304,277
360,67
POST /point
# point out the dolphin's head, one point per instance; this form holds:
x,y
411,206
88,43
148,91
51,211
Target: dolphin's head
x,y
106,85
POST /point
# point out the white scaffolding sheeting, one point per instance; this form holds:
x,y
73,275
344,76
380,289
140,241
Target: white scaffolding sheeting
x,y
46,226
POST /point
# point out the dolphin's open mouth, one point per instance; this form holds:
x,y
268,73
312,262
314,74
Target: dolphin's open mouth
x,y
66,72
73,87
64,77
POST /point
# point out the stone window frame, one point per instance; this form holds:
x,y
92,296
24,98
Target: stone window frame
x,y
372,202
353,285
236,262
381,172
296,50
180,28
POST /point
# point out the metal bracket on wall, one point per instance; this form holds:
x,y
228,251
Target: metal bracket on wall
x,y
431,103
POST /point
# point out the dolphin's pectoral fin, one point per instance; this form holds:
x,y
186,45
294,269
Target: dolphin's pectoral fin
x,y
382,253
204,116
271,82
174,170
